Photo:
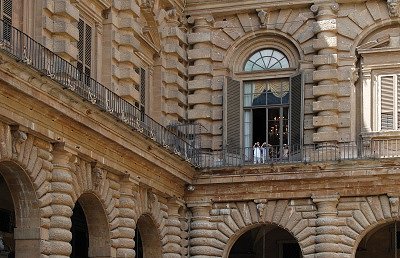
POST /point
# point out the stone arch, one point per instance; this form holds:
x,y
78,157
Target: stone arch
x,y
363,22
29,162
236,218
233,240
98,225
26,207
154,213
366,214
95,188
150,236
243,48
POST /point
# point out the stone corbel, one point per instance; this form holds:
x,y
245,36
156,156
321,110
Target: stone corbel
x,y
97,175
263,16
261,204
394,205
18,137
393,8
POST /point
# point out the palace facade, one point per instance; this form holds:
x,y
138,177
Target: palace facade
x,y
200,128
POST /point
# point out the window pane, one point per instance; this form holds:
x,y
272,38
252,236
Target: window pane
x,y
266,59
259,99
247,88
247,100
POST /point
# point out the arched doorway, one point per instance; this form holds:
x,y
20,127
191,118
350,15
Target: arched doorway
x,y
266,241
383,241
90,228
147,238
19,213
7,220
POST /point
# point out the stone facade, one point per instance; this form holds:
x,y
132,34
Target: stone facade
x,y
171,59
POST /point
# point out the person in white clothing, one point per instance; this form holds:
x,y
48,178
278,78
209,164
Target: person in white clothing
x,y
257,153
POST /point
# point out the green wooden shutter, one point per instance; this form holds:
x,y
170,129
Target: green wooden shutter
x,y
233,112
6,15
296,112
387,102
85,49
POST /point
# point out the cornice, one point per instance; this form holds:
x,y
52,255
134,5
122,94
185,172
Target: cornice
x,y
194,7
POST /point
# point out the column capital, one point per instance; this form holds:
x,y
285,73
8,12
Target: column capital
x,y
326,205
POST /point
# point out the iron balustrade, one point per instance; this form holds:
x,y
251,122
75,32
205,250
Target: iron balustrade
x,y
322,152
23,48
182,140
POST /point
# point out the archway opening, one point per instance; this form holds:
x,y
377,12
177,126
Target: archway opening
x,y
90,229
266,241
383,241
147,238
7,220
19,213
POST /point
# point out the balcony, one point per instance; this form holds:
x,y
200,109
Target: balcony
x,y
181,140
23,48
371,148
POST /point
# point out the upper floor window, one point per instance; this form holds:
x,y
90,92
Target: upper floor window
x,y
388,102
266,59
268,105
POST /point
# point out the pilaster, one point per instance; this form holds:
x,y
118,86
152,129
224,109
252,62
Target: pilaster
x,y
201,231
125,76
172,247
61,203
64,29
125,230
326,73
327,239
174,63
201,98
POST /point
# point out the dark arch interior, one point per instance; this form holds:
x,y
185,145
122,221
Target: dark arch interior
x,y
266,241
383,242
138,244
7,221
147,239
80,233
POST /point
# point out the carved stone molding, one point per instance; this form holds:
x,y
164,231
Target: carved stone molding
x,y
393,7
263,16
18,137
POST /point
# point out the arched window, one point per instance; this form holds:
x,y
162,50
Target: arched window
x,y
266,59
269,108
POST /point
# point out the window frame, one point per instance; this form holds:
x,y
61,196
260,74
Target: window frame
x,y
377,119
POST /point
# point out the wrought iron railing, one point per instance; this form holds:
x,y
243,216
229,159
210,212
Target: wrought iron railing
x,y
23,48
363,149
182,140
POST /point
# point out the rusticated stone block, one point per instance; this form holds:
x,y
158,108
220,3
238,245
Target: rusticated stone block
x,y
325,59
348,28
319,121
325,25
325,136
326,74
200,69
321,90
325,42
326,105
200,37
64,8
127,5
200,53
